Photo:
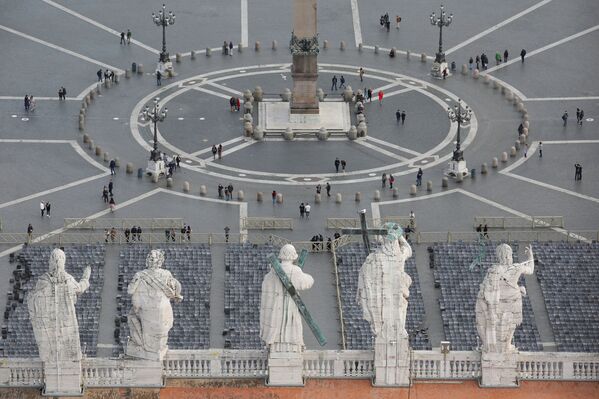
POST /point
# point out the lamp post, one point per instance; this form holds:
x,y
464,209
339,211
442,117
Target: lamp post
x,y
163,19
442,20
154,115
461,115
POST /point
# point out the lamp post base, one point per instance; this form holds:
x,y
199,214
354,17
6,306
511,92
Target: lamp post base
x,y
156,168
455,168
438,68
165,69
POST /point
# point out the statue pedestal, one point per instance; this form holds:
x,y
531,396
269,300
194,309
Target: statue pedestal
x,y
455,168
156,168
499,370
285,368
392,363
62,378
438,68
165,69
145,373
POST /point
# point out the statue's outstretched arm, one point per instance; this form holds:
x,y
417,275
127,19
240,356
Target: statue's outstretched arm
x,y
528,266
84,282
405,246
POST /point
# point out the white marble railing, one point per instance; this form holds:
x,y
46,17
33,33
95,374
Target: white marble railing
x,y
338,364
456,365
17,372
215,363
558,366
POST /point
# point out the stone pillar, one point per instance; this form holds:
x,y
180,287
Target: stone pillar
x,y
304,50
499,370
392,363
285,368
62,378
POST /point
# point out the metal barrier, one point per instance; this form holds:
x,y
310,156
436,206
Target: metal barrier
x,y
354,223
254,223
518,222
107,223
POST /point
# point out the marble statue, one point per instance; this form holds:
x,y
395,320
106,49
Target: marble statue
x,y
499,301
52,311
151,315
384,287
280,319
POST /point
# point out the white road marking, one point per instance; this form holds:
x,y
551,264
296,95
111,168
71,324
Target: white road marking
x,y
225,144
212,92
224,88
381,150
396,92
244,23
544,48
499,25
390,145
355,14
590,98
37,98
61,49
388,86
99,25
233,149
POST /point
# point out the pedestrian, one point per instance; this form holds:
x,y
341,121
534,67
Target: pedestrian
x,y
32,103
470,63
497,58
122,38
391,181
225,48
139,233
525,150
112,166
60,94
388,25
318,188
565,118
214,151
220,151
384,180
540,149
178,161
110,187
113,234
127,234
99,73
412,220
112,203
106,75
158,78
237,104
397,21
188,233
29,233
337,163
505,55
231,49
398,116
343,165
128,36
232,104
486,231
226,194
403,116
341,82
522,55
361,72
369,95
105,194
220,191
328,187
307,209
520,130
419,177
581,117
48,207
274,196
302,209
42,207
26,102
445,73
334,83
578,172
230,188
477,62
381,94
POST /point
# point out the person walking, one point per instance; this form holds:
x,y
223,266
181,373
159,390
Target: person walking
x,y
227,230
112,166
522,55
110,187
525,150
29,233
398,116
328,187
369,92
343,165
128,36
419,177
123,38
470,63
220,151
565,118
48,208
477,62
397,21
403,117
361,73
341,82
540,149
105,194
302,210
158,78
497,58
384,180
274,196
337,163
391,181
505,55
307,209
318,188
334,83
581,117
99,73
231,49
486,231
214,151
112,203
42,207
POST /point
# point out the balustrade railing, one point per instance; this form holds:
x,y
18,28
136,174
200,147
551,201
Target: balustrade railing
x,y
257,223
215,363
338,364
460,365
21,372
123,223
518,222
558,366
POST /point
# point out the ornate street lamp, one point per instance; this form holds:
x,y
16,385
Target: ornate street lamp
x,y
163,19
155,115
461,115
442,20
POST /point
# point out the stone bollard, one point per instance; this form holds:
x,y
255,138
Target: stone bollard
x,y
377,195
509,96
274,45
358,196
248,129
325,44
208,51
525,116
169,182
494,163
178,57
524,111
106,157
338,198
258,133
259,196
429,186
423,57
91,94
140,173
459,178
517,145
85,138
99,88
320,94
408,53
352,133
487,79
279,198
395,192
203,190
117,79
475,73
107,83
257,46
362,130
155,179
129,168
140,69
342,45
393,51
317,198
522,138
483,168
186,187
444,182
286,96
288,134
240,195
525,131
495,84
240,48
464,69
503,90
192,54
323,134
520,107
513,151
98,151
413,189
348,94
90,144
360,47
81,124
504,156
86,100
258,94
526,124
117,162
376,49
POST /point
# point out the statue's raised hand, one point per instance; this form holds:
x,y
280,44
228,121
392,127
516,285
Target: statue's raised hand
x,y
528,251
87,273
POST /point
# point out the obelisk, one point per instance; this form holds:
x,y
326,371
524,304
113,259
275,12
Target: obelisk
x,y
304,49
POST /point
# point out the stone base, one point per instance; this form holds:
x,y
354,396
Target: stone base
x,y
499,370
392,363
438,68
166,69
285,369
275,117
62,379
140,353
156,168
144,373
454,168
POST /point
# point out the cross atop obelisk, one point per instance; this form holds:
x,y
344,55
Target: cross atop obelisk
x,y
304,49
